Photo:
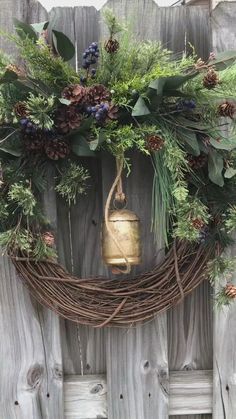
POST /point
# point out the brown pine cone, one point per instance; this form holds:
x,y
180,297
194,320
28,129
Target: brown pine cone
x,y
48,238
154,142
68,118
197,162
34,141
198,223
15,69
20,109
211,79
230,291
112,112
56,149
97,94
75,93
227,109
111,46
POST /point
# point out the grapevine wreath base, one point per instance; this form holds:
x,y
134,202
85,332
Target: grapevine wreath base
x,y
102,302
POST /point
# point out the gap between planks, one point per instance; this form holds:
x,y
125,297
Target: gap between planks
x,y
190,392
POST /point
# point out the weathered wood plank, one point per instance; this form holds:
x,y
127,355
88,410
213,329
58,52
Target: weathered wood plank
x,y
224,360
26,10
137,369
30,379
79,229
85,397
190,393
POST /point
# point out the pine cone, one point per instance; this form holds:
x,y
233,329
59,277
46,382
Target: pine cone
x,y
75,93
211,79
154,142
200,64
97,94
196,162
230,291
48,239
56,149
198,223
34,141
227,109
112,112
15,69
68,118
20,109
111,46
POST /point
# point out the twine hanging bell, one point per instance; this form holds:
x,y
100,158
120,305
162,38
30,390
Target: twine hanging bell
x,y
125,226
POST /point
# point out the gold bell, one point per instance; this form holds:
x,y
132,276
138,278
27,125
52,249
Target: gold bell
x,y
125,226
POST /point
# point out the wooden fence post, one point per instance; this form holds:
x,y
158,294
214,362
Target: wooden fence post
x,y
224,359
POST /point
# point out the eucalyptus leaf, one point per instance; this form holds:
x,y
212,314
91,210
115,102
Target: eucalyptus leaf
x,y
158,85
63,45
215,168
229,173
140,108
40,27
190,138
8,77
93,145
82,130
174,82
23,30
224,60
224,143
80,147
64,101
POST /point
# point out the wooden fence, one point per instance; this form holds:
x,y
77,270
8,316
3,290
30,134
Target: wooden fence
x,y
183,362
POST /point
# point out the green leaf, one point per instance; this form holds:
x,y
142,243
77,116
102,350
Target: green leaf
x,y
64,101
140,108
83,129
215,168
23,30
230,172
8,77
174,82
93,145
63,45
40,27
158,85
81,148
224,143
199,126
190,138
10,142
223,60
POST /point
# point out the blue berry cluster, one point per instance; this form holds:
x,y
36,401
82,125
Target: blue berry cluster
x,y
29,127
186,104
90,57
203,235
99,112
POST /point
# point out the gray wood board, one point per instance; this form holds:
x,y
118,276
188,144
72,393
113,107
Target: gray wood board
x,y
31,351
224,361
30,379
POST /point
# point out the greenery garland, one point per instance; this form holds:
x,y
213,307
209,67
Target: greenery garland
x,y
178,111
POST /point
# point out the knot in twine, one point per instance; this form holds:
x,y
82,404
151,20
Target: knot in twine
x,y
120,197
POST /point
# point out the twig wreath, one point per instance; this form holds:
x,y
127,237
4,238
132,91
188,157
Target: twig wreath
x,y
178,111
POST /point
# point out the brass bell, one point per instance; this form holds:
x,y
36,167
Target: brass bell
x,y
125,226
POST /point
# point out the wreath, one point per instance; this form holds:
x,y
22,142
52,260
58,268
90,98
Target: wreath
x,y
179,111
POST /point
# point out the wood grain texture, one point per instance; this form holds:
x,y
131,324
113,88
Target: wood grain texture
x,y
190,392
85,397
31,384
30,379
224,360
137,369
29,11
